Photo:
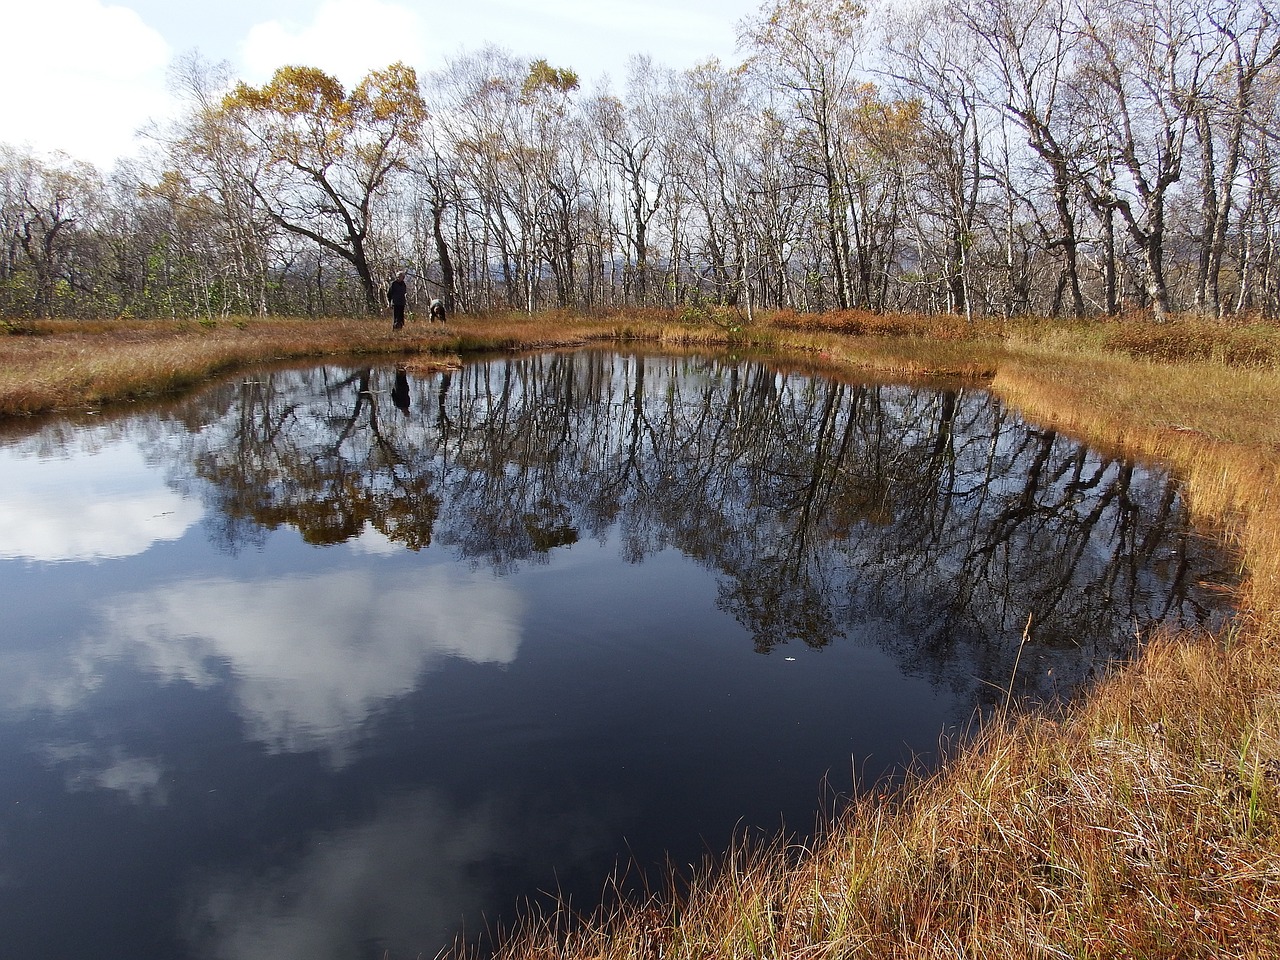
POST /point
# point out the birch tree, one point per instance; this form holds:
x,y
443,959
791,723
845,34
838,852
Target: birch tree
x,y
808,48
1032,50
933,61
1249,35
1144,66
329,153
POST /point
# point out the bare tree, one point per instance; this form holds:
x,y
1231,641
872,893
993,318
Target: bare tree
x,y
630,141
208,152
713,108
329,154
808,48
1144,66
935,61
1032,50
1249,33
43,205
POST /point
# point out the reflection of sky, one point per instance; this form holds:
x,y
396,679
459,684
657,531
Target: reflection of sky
x,y
405,874
110,504
272,734
309,658
140,779
373,541
402,880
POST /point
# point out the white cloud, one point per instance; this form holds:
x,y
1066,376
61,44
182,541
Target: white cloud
x,y
79,76
345,38
110,505
348,38
595,38
82,76
683,32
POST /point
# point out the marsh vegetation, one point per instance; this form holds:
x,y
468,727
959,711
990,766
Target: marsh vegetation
x,y
1142,818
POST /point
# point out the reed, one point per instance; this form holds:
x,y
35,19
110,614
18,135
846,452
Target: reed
x,y
1142,821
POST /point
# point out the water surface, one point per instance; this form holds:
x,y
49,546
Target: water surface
x,y
338,662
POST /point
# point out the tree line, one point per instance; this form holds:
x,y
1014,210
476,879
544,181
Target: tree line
x,y
975,157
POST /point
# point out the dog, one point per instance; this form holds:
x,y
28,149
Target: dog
x,y
436,310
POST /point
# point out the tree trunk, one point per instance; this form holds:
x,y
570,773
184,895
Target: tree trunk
x,y
447,280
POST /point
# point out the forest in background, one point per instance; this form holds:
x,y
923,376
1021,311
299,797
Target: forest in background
x,y
983,158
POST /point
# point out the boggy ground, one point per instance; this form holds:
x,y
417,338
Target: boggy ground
x,y
1143,822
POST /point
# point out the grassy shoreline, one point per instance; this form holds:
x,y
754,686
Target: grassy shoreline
x,y
1143,822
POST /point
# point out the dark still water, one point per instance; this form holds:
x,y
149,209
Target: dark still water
x,y
339,662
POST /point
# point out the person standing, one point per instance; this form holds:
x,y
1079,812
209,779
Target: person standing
x,y
397,294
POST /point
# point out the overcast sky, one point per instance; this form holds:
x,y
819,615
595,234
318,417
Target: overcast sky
x,y
81,76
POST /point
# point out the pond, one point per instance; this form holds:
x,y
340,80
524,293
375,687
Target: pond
x,y
343,661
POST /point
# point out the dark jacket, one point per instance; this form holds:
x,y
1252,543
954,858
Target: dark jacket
x,y
397,292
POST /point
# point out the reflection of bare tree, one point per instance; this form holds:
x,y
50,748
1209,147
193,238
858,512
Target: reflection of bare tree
x,y
934,523
324,464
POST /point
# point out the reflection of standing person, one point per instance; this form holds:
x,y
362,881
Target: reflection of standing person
x,y
400,392
397,294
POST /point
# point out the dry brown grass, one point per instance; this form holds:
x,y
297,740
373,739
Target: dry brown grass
x,y
56,365
1143,822
53,365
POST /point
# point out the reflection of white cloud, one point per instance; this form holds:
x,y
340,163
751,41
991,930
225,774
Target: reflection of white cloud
x,y
310,658
403,880
406,877
375,542
138,778
107,503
